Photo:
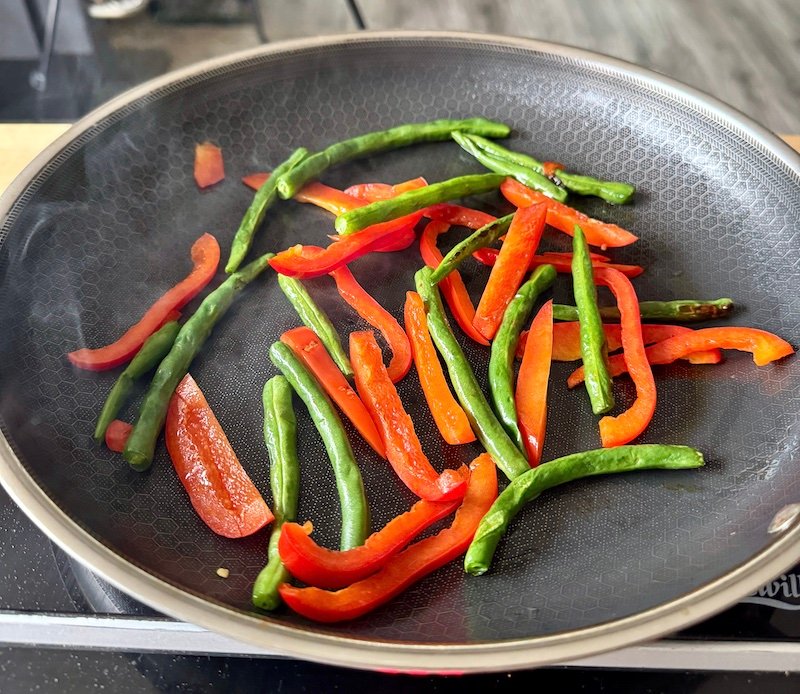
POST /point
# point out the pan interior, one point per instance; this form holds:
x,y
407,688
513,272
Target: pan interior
x,y
106,228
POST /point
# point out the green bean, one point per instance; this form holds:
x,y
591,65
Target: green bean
x,y
142,441
280,435
481,238
355,519
504,347
153,350
525,175
572,467
679,310
614,192
262,201
381,141
415,200
481,418
592,336
316,319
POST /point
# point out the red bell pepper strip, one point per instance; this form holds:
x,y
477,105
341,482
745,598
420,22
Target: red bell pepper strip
x,y
327,568
338,202
521,241
398,243
256,180
117,434
205,256
488,256
456,215
764,346
550,168
208,166
378,317
297,262
568,255
407,567
309,350
565,218
450,418
403,448
218,487
452,287
331,199
372,192
619,430
566,341
531,393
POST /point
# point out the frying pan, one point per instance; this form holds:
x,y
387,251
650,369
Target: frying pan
x,y
101,224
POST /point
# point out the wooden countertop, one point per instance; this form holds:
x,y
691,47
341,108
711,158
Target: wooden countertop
x,y
21,142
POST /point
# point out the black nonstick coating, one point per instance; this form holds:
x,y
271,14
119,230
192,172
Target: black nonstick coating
x,y
105,228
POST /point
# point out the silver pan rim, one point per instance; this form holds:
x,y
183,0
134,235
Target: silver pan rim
x,y
307,644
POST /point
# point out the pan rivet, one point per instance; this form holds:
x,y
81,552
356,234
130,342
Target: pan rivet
x,y
784,518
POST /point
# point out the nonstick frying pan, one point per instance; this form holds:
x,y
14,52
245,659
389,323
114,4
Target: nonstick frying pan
x,y
101,224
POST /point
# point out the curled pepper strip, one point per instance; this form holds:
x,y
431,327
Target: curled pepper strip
x,y
534,374
328,198
205,256
521,241
304,262
565,218
450,418
452,287
407,567
619,430
372,192
308,348
457,215
403,448
764,346
567,347
327,568
378,317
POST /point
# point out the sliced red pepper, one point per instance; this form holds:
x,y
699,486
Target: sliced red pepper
x,y
407,567
218,487
372,192
450,418
309,350
117,434
327,568
398,243
208,166
458,216
566,341
403,448
331,199
568,255
521,242
565,218
549,168
452,287
297,262
378,317
619,430
531,392
764,346
256,180
205,256
488,256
